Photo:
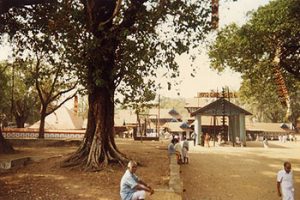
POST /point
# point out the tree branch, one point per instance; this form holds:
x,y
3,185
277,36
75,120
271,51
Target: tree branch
x,y
59,105
2,71
131,13
54,80
37,85
63,92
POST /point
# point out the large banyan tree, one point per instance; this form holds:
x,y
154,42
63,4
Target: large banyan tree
x,y
118,46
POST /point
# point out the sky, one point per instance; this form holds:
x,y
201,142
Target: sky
x,y
205,78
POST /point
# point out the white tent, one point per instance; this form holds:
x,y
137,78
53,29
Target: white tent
x,y
62,119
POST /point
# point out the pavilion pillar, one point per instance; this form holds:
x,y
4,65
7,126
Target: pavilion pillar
x,y
187,133
242,128
198,129
231,127
236,129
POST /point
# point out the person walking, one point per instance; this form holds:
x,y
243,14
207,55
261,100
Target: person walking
x,y
185,149
265,142
131,187
194,135
285,184
206,140
171,148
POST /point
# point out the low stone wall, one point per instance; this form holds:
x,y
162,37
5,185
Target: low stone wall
x,y
138,138
175,184
43,142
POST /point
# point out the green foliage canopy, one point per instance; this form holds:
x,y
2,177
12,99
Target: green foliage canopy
x,y
149,35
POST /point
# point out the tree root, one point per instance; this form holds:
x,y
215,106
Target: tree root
x,y
82,160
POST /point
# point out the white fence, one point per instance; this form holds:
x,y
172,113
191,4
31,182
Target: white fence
x,y
25,133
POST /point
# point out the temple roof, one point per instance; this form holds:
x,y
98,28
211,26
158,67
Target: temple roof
x,y
220,107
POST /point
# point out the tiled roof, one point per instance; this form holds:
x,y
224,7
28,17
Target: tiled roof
x,y
266,127
164,113
216,108
175,126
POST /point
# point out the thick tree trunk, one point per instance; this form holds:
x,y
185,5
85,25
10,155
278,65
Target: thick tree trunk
x,y
98,148
42,125
5,147
20,121
21,112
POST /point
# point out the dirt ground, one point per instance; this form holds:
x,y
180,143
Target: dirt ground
x,y
235,173
46,180
216,173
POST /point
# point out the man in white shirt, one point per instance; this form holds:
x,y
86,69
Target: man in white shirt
x,y
285,187
131,187
178,151
185,149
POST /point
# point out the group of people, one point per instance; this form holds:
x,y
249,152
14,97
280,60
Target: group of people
x,y
180,149
133,188
284,138
281,138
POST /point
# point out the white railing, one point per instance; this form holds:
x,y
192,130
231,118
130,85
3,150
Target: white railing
x,y
26,133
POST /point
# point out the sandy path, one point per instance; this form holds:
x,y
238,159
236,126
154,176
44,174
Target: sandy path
x,y
227,173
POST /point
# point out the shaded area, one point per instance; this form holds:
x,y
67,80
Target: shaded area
x,y
5,146
46,180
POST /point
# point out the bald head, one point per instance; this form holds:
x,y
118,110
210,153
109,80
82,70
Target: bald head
x,y
132,166
287,167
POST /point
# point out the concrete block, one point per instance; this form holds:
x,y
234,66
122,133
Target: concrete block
x,y
17,162
5,165
165,195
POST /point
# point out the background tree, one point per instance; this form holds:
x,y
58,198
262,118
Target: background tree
x,y
18,97
51,89
262,100
5,147
5,89
140,100
25,106
42,47
255,49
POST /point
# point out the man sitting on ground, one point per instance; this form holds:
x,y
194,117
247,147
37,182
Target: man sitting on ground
x,y
131,187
